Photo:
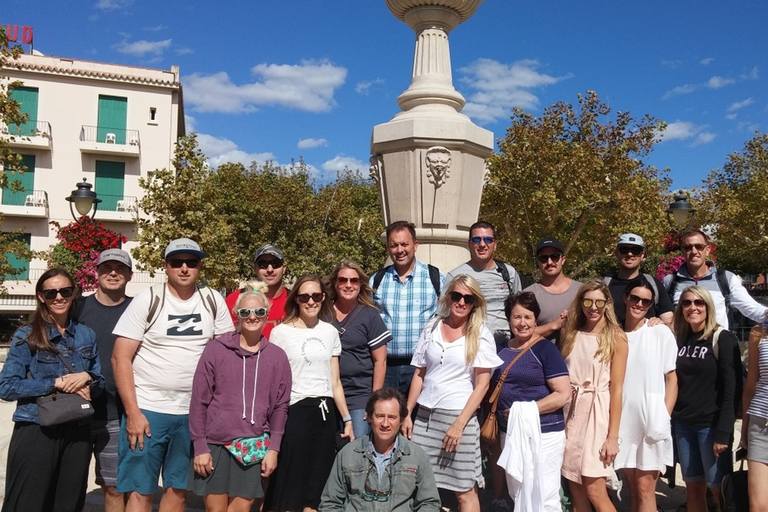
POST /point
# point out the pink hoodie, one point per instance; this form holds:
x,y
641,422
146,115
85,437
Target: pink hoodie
x,y
236,393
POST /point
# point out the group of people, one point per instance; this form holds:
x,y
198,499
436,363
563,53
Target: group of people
x,y
357,392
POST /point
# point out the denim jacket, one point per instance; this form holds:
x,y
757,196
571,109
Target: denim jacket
x,y
409,471
28,375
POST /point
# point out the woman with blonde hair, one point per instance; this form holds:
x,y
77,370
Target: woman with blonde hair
x,y
364,338
453,358
705,411
595,351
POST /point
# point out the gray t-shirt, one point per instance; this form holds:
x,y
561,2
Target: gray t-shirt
x,y
494,289
552,304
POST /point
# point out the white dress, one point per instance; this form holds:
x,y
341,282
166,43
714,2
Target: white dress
x,y
646,440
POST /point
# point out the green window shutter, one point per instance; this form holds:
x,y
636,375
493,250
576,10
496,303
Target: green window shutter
x,y
27,181
19,263
26,97
110,184
113,113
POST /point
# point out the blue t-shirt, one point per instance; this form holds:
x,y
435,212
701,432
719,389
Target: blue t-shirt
x,y
527,381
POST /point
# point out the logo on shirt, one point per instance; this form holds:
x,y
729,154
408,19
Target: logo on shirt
x,y
697,352
311,339
185,325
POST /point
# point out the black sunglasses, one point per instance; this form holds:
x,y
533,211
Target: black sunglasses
x,y
468,299
634,299
627,249
546,257
65,292
304,297
178,263
264,264
245,312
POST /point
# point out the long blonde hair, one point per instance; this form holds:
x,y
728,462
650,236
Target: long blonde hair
x,y
476,316
681,325
576,321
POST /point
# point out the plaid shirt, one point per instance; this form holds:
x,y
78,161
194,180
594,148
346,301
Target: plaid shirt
x,y
406,307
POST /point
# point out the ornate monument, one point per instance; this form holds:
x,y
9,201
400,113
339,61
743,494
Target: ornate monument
x,y
429,159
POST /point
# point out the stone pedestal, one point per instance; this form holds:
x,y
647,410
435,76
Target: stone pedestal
x,y
429,159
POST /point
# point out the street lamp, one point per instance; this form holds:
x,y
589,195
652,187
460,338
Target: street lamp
x,y
680,212
83,199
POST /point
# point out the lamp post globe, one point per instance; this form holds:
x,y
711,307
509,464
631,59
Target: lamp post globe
x,y
83,199
680,212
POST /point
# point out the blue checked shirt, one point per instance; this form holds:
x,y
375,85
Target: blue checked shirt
x,y
406,307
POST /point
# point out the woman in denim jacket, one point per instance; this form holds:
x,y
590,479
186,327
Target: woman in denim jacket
x,y
48,466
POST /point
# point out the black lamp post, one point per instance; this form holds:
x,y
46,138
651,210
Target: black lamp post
x,y
83,199
680,212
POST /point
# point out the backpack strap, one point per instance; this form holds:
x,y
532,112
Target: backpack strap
x,y
725,287
209,301
502,269
715,344
673,286
156,303
378,277
434,276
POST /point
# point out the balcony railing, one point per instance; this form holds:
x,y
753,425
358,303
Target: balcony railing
x,y
32,203
106,135
33,133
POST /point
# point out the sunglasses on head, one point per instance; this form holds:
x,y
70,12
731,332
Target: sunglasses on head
x,y
316,297
179,262
634,299
598,303
350,280
245,312
65,292
698,247
486,239
546,257
468,299
628,249
699,303
264,264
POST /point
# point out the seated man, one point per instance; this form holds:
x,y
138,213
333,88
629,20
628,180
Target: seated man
x,y
383,470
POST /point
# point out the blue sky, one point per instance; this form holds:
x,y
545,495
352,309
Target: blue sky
x,y
310,78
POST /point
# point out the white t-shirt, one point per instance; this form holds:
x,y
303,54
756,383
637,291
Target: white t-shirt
x,y
449,380
166,359
309,353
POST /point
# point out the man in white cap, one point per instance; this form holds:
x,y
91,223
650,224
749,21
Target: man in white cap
x,y
171,323
100,312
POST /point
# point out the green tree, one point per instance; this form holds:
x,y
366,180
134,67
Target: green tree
x,y
575,173
734,204
11,243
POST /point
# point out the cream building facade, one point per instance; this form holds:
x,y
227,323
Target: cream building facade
x,y
107,123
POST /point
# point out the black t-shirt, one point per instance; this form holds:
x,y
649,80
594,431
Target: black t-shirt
x,y
662,302
102,320
361,334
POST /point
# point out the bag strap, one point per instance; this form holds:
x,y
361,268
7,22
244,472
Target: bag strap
x,y
351,316
494,400
66,363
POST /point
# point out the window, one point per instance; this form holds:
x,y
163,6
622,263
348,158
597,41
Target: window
x,y
113,112
19,263
152,114
27,181
110,184
26,97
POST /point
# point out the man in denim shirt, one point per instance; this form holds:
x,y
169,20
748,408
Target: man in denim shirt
x,y
383,470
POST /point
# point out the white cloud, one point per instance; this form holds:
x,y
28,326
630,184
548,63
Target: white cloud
x,y
707,61
111,5
680,89
731,117
684,130
220,151
340,162
672,64
718,82
141,48
703,138
156,28
500,87
363,87
311,143
740,104
753,74
184,50
309,86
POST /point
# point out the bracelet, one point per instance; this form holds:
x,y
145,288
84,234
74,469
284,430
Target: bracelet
x,y
346,418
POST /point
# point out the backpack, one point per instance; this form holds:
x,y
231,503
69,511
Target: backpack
x,y
434,276
722,283
157,301
738,369
651,281
502,269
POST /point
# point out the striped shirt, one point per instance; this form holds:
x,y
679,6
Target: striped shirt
x,y
406,307
759,404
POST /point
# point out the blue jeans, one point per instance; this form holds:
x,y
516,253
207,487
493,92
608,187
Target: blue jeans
x,y
359,424
697,458
399,374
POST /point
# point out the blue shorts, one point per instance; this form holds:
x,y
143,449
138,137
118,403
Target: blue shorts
x,y
697,458
169,449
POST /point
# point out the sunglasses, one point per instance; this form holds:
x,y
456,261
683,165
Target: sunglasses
x,y
698,247
546,257
598,303
468,299
65,292
264,264
178,263
699,303
316,297
487,239
634,299
245,312
351,280
635,251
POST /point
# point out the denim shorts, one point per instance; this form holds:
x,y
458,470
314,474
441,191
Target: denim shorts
x,y
697,458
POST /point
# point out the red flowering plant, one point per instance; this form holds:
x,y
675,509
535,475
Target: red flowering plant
x,y
79,246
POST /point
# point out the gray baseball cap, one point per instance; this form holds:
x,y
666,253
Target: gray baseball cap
x,y
183,246
269,249
631,239
115,255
